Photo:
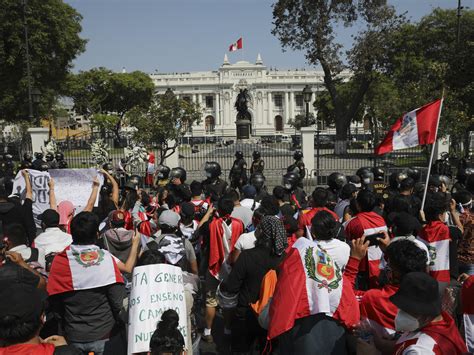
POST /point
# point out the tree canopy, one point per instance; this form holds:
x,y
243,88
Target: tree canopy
x,y
165,121
54,42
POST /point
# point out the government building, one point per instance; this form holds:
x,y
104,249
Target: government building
x,y
275,96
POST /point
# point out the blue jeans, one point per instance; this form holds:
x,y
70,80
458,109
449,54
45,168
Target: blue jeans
x,y
466,268
97,347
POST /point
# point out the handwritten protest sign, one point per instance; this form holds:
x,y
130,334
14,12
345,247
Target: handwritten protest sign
x,y
74,185
155,289
39,184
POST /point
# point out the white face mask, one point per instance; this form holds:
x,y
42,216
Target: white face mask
x,y
208,175
405,322
288,186
366,181
446,218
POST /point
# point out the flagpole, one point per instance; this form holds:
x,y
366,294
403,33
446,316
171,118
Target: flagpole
x,y
432,154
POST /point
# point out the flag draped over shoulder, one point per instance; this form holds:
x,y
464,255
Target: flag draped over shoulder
x,y
309,283
82,267
417,127
239,44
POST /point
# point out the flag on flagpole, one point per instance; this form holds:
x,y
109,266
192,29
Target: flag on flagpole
x,y
237,45
417,127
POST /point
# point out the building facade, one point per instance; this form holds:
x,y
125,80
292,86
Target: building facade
x,y
275,96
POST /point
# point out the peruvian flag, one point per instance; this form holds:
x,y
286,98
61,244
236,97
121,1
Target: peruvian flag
x,y
237,45
309,283
417,127
82,267
437,239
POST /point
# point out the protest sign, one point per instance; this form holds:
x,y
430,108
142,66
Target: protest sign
x,y
40,186
74,185
155,289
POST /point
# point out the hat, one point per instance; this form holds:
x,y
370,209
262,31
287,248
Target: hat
x,y
406,224
418,295
22,301
117,217
187,209
249,191
169,218
50,218
65,210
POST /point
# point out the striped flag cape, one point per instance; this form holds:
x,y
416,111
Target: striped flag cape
x,y
436,237
309,283
82,267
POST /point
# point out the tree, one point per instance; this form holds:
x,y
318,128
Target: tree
x,y
54,42
300,121
165,121
310,25
106,97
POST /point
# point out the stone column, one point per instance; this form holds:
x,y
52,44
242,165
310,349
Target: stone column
x,y
217,109
39,136
287,109
307,146
270,108
292,104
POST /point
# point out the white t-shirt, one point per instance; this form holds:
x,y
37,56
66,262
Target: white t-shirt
x,y
337,250
249,203
244,214
246,241
52,240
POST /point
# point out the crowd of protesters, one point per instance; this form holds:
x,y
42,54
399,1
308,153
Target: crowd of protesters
x,y
354,267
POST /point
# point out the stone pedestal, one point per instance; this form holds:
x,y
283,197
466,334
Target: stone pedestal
x,y
307,147
243,129
39,137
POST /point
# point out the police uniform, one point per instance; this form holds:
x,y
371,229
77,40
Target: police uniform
x,y
238,174
257,166
379,188
214,188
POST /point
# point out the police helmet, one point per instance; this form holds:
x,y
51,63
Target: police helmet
x,y
108,167
49,156
62,164
239,154
446,180
365,175
297,155
463,173
178,173
256,155
414,173
290,180
44,167
59,156
257,180
379,173
163,172
27,157
213,169
395,179
39,155
336,181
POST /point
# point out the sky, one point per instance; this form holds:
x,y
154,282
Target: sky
x,y
193,35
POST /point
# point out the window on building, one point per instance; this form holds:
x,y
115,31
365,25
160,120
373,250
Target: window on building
x,y
278,98
210,124
278,123
209,101
299,100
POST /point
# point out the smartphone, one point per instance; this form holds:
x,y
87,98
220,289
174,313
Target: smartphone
x,y
373,239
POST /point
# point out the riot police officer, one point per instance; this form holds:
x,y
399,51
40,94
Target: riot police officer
x,y
238,172
379,184
394,181
257,164
27,161
9,166
293,193
258,181
366,177
298,167
38,161
177,186
335,182
461,179
61,163
162,175
50,160
213,186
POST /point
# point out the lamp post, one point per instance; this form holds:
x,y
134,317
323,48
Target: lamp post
x,y
307,94
318,130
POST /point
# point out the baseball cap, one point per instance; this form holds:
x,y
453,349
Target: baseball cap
x,y
22,301
249,191
187,209
50,218
169,218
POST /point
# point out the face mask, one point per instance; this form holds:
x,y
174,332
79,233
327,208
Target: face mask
x,y
208,174
288,186
446,218
366,181
405,322
160,176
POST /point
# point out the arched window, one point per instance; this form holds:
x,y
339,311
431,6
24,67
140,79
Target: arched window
x,y
210,124
278,123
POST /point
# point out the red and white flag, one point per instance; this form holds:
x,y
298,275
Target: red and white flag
x,y
82,267
417,127
237,45
437,239
309,283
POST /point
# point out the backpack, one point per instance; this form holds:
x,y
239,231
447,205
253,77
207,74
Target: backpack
x,y
267,288
161,242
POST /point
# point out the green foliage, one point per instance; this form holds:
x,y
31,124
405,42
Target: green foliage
x,y
106,96
165,120
54,42
300,121
310,27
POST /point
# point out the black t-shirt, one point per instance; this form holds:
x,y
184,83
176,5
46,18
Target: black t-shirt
x,y
11,273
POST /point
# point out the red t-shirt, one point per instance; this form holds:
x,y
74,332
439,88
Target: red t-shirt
x,y
28,349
